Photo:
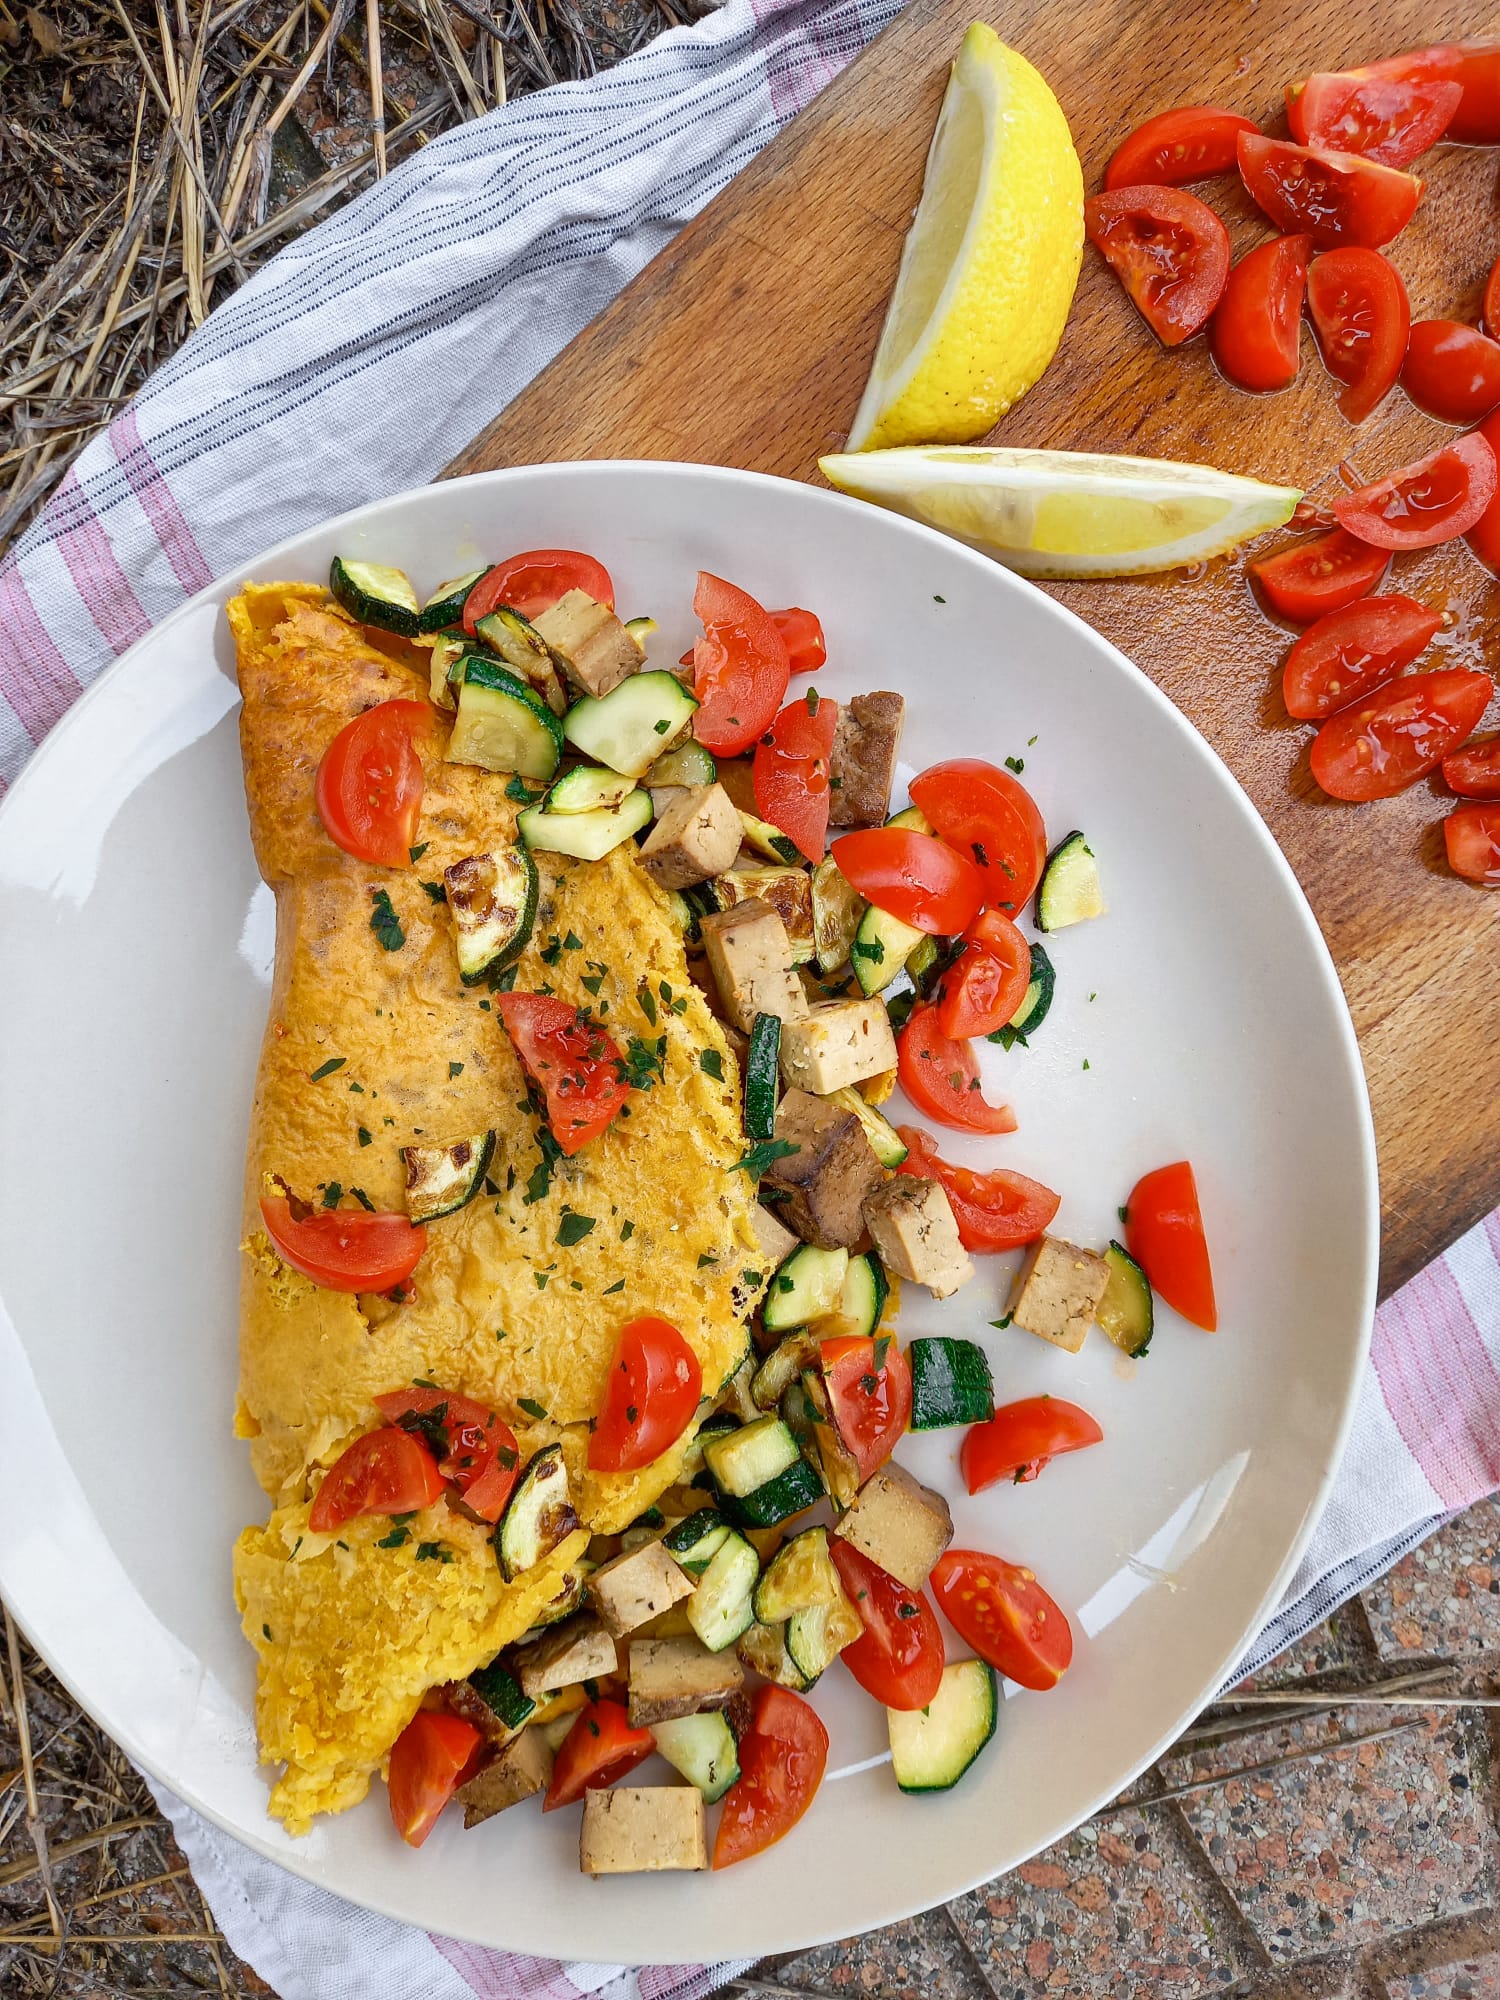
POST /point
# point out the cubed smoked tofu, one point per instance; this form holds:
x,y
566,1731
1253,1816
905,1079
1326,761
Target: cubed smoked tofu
x,y
776,1241
577,1650
788,891
637,1586
751,961
697,836
521,1769
589,643
912,1227
1057,1290
826,1179
863,765
642,1829
838,1043
672,1677
899,1524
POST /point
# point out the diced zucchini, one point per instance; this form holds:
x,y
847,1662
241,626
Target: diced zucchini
x,y
861,1301
839,1466
787,890
446,604
932,1747
440,1179
722,1606
782,1366
815,1637
376,595
720,1424
886,1142
801,1574
762,1076
540,1515
641,630
911,819
587,788
750,1455
566,1599
628,728
688,764
683,915
703,1749
808,1286
790,1492
763,1650
880,948
587,836
502,1695
1126,1312
492,900
516,640
697,1540
769,840
502,725
921,959
448,648
950,1383
1038,996
837,910
1069,891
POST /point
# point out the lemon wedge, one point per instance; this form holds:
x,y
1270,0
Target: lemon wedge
x,y
1067,513
990,262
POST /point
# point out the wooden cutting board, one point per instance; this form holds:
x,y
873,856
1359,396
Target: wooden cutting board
x,y
747,341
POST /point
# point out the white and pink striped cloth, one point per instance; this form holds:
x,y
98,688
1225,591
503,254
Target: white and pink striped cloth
x,y
470,267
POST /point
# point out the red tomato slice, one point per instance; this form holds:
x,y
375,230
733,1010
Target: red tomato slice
x,y
1023,1437
1472,837
783,1755
1164,1234
1441,497
344,1250
1168,249
478,1449
384,1472
941,1078
899,1656
577,1065
369,783
1361,315
429,1761
1393,737
740,667
1474,771
1451,371
532,583
599,1748
803,633
1255,331
1384,118
1474,66
998,1210
1005,1615
871,1406
988,981
1333,197
1484,536
985,812
791,770
1349,652
1492,301
914,876
1314,577
654,1385
1187,144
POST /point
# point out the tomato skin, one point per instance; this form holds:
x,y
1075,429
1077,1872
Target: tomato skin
x,y
998,1210
533,582
1474,66
1333,197
740,667
1022,1438
482,1459
1439,498
1474,771
1005,1615
429,1760
1451,371
899,1657
344,1250
1361,315
987,814
1314,577
791,772
655,1381
871,1408
1471,835
802,632
1187,144
1492,300
1388,119
913,876
577,1064
1168,249
783,1755
985,986
369,783
1484,536
599,1748
941,1077
1164,1234
1384,743
1254,338
384,1472
1347,653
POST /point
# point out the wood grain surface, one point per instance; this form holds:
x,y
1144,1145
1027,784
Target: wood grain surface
x,y
746,343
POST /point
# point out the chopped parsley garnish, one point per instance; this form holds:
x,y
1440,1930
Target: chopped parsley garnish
x,y
752,1277
707,1257
1123,1213
938,600
627,1230
617,1286
551,951
333,1194
433,1552
416,853
647,1001
573,1228
455,1069
661,727
1001,1323
364,1136
267,1630
327,1069
1009,1038
363,1199
431,1426
874,950
643,1063
1085,1062
763,1154
812,701
384,921
982,858
1029,741
518,790
397,1538
531,1407
541,1278
591,983
712,1064
1016,764
572,942
436,893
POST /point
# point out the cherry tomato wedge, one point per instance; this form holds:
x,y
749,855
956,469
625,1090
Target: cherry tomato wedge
x,y
1333,197
1474,66
369,783
1421,505
997,1210
1472,837
986,813
985,985
600,1747
1168,249
1492,300
941,1078
1255,333
899,1657
802,632
532,583
1005,1615
1388,740
1187,144
913,876
1388,119
791,772
654,1384
1349,652
476,1448
385,1472
1021,1438
1451,371
783,1755
1474,771
344,1250
1484,536
1361,316
1314,577
871,1406
429,1761
575,1062
740,667
1164,1234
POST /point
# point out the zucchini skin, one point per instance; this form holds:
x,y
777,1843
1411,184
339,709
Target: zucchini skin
x,y
950,1383
381,612
762,1076
790,1492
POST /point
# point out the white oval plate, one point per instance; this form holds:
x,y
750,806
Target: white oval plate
x,y
1201,1017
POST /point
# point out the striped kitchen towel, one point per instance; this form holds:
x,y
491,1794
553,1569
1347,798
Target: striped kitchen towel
x,y
469,268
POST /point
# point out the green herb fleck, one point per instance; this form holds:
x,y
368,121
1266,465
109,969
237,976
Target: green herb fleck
x,y
1029,741
531,1407
617,1286
627,1230
517,790
436,893
812,701
363,1199
573,1228
267,1630
707,1257
874,950
1001,1323
1123,1213
397,1538
1016,764
647,1001
433,1552
938,600
384,921
333,1194
455,1069
327,1069
712,1064
763,1154
416,853
1085,1062
364,1136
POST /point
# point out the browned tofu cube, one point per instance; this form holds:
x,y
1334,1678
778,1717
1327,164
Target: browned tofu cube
x,y
637,1586
751,961
1057,1290
672,1677
899,1524
827,1177
642,1829
589,643
862,768
839,1043
698,835
519,1771
776,1241
577,1650
912,1227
